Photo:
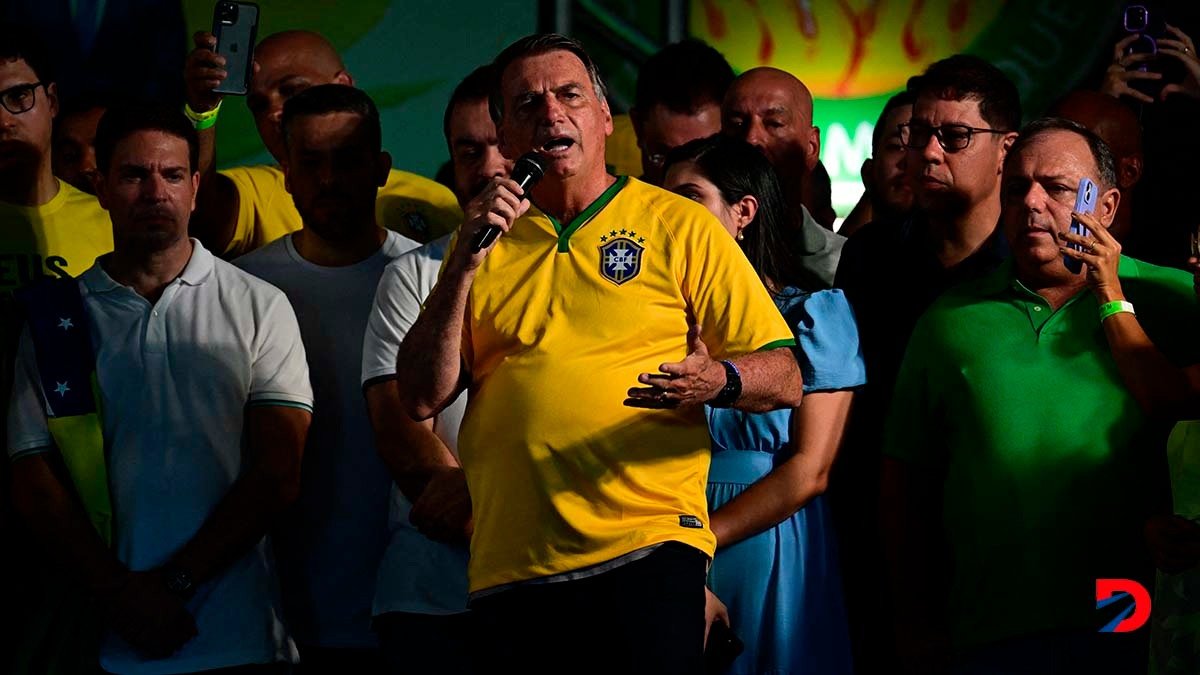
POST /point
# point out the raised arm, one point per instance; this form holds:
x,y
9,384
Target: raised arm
x,y
429,366
215,218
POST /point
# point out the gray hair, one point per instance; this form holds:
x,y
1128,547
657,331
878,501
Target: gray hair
x,y
1106,166
533,45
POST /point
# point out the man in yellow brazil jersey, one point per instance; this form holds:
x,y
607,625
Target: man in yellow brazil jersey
x,y
589,337
246,207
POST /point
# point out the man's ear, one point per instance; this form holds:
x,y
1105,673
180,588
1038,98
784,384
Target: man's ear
x,y
1106,206
812,154
52,97
608,121
865,173
383,168
1129,171
1005,145
343,77
195,189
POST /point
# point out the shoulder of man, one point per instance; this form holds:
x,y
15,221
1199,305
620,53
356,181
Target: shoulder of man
x,y
1166,305
666,206
417,207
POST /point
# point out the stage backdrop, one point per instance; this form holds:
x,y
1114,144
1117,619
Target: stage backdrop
x,y
853,54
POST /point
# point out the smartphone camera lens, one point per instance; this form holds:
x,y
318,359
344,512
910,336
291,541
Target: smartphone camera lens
x,y
1136,19
227,13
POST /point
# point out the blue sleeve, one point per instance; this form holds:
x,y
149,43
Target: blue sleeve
x,y
827,345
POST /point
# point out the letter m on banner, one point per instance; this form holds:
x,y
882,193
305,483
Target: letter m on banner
x,y
1133,617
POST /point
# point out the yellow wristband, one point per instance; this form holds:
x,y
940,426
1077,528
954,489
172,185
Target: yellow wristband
x,y
204,120
1115,307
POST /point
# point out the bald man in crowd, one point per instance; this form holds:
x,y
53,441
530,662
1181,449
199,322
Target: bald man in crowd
x,y
773,111
1118,127
244,208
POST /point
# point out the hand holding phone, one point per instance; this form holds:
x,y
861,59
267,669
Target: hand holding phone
x,y
1085,202
235,25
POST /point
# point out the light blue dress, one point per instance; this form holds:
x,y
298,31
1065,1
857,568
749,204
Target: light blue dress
x,y
782,586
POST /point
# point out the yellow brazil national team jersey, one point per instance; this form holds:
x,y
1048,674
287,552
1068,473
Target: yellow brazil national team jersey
x,y
414,206
561,319
61,238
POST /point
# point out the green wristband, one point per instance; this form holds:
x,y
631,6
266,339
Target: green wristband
x,y
204,120
1115,307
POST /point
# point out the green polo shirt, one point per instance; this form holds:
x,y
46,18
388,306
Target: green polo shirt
x,y
1049,465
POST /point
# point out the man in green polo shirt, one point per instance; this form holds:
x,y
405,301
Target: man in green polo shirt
x,y
1021,456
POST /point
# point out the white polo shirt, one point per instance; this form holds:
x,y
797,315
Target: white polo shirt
x,y
175,379
417,574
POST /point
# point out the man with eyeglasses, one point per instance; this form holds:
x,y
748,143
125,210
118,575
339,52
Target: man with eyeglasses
x,y
964,118
48,227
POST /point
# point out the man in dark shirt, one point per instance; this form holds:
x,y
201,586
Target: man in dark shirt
x,y
964,120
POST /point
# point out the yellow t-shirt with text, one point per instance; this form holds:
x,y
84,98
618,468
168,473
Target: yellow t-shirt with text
x,y
61,238
561,320
412,205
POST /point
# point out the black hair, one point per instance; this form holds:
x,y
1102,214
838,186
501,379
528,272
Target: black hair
x,y
738,169
964,76
325,99
18,43
475,87
120,122
683,76
534,45
899,100
1106,166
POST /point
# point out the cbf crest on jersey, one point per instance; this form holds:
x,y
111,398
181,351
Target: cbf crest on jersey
x,y
621,255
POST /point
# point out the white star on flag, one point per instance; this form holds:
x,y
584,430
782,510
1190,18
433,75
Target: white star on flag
x,y
65,323
62,389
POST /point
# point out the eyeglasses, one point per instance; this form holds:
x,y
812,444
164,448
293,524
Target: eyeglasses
x,y
19,99
952,137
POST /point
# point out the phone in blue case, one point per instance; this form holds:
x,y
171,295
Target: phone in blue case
x,y
1085,202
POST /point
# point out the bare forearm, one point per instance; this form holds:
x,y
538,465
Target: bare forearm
x,y
55,517
818,426
770,380
266,487
429,363
410,449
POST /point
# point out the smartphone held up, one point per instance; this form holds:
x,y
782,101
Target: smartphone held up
x,y
235,25
1085,202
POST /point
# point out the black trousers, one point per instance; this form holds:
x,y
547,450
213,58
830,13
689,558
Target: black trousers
x,y
645,616
425,644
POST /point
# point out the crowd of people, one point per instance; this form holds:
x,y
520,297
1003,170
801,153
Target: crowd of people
x,y
292,418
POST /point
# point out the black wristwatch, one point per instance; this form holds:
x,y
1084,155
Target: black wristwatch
x,y
732,390
178,582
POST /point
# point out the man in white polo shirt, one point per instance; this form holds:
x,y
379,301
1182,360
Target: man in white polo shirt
x,y
204,403
421,592
330,543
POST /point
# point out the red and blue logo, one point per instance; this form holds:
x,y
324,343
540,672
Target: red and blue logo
x,y
1115,591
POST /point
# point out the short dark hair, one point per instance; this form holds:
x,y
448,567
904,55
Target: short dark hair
x,y
325,99
475,87
1106,166
683,76
534,45
899,100
964,76
738,169
120,122
19,43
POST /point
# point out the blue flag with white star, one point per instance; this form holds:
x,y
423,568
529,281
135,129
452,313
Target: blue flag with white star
x,y
66,365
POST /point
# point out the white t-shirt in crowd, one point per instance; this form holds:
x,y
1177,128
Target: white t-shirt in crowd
x,y
417,574
330,543
175,379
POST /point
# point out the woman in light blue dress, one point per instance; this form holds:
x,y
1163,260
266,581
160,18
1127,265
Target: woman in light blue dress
x,y
776,567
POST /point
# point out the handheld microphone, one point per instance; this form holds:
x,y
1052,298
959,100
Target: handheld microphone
x,y
528,170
